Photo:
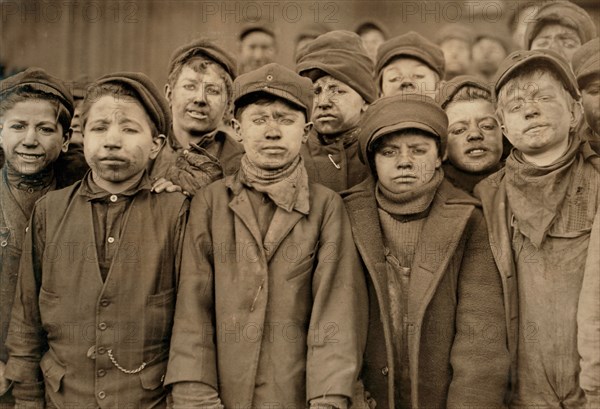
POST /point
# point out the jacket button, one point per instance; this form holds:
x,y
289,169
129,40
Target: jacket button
x,y
101,372
102,326
385,371
3,243
113,198
101,350
104,302
102,394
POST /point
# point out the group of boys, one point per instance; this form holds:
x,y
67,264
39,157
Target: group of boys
x,y
360,233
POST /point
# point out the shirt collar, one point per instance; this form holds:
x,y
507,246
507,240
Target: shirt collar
x,y
91,191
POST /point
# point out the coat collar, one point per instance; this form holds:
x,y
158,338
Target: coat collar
x,y
281,224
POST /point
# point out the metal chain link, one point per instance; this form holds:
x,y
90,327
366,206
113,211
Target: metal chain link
x,y
120,368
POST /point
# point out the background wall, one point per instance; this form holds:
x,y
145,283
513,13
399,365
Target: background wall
x,y
73,37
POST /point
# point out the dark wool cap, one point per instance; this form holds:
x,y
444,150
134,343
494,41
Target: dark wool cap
x,y
564,13
413,45
340,54
149,96
206,48
251,27
390,114
549,59
312,31
277,80
365,26
39,80
586,60
455,31
450,88
500,35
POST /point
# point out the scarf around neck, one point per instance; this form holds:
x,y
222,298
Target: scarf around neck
x,y
347,137
287,187
413,204
535,193
34,182
467,180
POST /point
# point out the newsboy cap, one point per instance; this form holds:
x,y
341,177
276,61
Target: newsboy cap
x,y
449,89
39,80
455,31
412,45
277,80
549,59
342,55
586,61
565,13
207,48
149,96
398,112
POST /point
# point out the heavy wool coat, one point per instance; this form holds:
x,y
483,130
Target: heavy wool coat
x,y
282,319
457,342
67,322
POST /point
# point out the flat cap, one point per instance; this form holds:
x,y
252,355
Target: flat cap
x,y
206,48
565,13
252,26
397,112
450,88
455,31
277,80
342,55
413,45
498,34
549,58
39,80
586,60
148,94
312,31
372,24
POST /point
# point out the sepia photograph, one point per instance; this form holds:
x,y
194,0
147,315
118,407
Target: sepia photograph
x,y
273,204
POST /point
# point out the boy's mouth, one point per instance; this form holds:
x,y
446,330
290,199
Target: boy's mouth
x,y
475,152
30,156
197,114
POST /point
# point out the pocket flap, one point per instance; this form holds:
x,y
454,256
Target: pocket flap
x,y
53,371
153,376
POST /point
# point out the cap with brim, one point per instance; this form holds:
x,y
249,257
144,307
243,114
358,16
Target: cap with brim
x,y
550,59
450,88
586,61
372,25
277,80
398,112
207,48
413,45
564,13
256,26
38,79
151,98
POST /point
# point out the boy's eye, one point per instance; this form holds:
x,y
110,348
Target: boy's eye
x,y
388,152
98,128
515,107
46,129
419,151
544,98
17,127
457,131
286,121
189,87
419,76
259,121
487,126
130,130
317,91
213,91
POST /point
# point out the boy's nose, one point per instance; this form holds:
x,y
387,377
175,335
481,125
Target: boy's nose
x,y
31,138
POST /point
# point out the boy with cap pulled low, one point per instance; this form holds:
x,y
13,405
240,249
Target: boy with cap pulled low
x,y
270,303
490,48
456,41
373,34
409,64
342,76
586,66
560,26
257,45
437,332
542,214
199,147
95,297
475,142
35,114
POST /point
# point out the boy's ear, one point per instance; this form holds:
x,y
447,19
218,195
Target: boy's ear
x,y
237,128
307,128
66,139
364,107
576,114
157,143
168,93
445,155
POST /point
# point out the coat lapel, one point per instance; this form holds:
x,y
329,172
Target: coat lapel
x,y
241,206
281,224
441,234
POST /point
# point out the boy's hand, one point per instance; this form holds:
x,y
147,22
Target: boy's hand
x,y
164,185
4,383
